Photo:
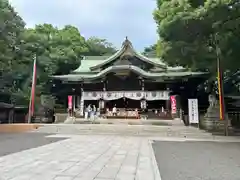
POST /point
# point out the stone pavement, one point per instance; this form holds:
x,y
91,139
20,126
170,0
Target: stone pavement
x,y
198,160
84,157
97,152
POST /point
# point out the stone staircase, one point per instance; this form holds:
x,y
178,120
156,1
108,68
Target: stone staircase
x,y
155,122
122,129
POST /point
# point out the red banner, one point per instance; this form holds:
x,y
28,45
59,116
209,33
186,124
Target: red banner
x,y
69,102
220,92
173,104
32,97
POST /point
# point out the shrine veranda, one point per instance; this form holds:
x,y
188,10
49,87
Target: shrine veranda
x,y
132,82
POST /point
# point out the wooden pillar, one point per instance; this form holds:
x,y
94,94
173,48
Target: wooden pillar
x,y
11,116
82,101
102,105
168,102
143,101
74,103
77,101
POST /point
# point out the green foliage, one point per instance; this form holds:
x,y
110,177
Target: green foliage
x,y
11,26
58,51
191,31
100,47
150,51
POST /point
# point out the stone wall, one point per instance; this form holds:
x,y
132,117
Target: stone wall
x,y
60,117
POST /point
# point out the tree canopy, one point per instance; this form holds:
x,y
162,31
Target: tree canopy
x,y
58,51
150,51
192,31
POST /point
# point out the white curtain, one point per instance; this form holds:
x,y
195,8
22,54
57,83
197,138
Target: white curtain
x,y
156,95
113,95
92,95
134,95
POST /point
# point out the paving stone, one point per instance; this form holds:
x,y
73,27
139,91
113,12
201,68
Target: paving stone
x,y
123,176
143,175
88,174
109,173
64,178
82,157
128,170
43,176
74,170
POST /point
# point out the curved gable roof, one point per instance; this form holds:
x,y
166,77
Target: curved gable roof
x,y
127,48
137,70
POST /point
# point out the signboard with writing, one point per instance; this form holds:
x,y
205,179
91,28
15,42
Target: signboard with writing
x,y
193,111
173,104
70,102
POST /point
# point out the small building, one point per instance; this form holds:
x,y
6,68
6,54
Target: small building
x,y
131,82
6,113
12,114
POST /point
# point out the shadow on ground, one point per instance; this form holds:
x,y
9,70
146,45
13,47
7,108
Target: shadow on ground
x,y
198,160
16,142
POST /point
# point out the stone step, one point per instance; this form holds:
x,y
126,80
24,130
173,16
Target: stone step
x,y
121,129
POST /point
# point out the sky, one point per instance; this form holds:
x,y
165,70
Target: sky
x,y
109,19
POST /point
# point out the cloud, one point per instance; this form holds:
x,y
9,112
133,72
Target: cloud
x,y
110,19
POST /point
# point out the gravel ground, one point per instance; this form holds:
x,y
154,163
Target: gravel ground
x,y
198,160
12,143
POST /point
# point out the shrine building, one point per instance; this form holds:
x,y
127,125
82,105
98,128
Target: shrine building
x,y
131,82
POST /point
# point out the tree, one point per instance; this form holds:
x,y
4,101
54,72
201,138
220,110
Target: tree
x,y
150,51
99,47
191,31
11,26
58,51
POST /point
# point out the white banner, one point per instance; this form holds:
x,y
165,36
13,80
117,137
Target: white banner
x,y
156,95
193,111
112,95
92,95
135,95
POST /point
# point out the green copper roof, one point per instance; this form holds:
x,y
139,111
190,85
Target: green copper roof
x,y
86,65
127,49
90,67
96,57
89,61
81,77
93,63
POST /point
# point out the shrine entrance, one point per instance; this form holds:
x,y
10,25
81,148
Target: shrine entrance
x,y
129,104
128,74
123,103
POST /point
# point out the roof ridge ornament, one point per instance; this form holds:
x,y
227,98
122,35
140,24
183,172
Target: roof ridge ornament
x,y
127,49
126,43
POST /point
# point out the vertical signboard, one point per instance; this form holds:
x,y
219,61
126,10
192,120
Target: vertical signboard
x,y
173,104
193,111
70,105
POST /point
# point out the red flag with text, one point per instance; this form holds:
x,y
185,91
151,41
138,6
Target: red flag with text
x,y
32,98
